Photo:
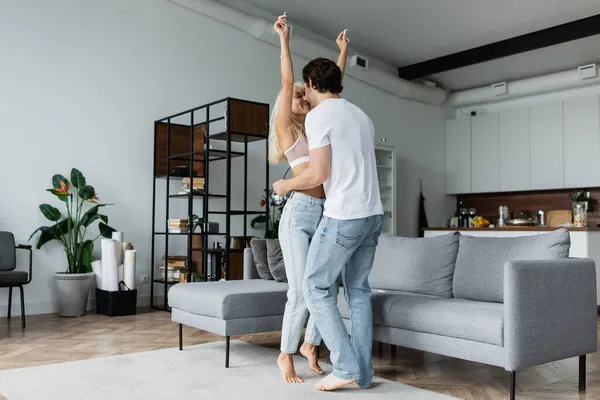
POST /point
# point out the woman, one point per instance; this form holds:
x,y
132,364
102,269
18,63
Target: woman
x,y
302,212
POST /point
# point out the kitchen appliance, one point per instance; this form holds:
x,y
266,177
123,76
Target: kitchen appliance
x,y
524,220
503,216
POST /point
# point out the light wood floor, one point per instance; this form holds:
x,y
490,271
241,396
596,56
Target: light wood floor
x,y
50,339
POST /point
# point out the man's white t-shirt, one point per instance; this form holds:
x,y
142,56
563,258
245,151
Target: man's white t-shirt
x,y
352,189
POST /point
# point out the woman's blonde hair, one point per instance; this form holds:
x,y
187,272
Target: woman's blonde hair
x,y
276,155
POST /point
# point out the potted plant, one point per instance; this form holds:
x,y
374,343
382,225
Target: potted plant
x,y
272,219
71,231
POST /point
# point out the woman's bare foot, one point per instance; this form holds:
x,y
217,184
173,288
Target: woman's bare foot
x,y
332,382
286,366
309,351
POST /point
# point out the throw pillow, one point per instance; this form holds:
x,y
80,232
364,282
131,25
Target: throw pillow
x,y
417,265
480,263
275,260
259,253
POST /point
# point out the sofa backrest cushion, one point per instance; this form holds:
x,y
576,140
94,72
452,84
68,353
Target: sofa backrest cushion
x,y
417,265
479,273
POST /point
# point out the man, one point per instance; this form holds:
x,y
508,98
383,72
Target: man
x,y
342,157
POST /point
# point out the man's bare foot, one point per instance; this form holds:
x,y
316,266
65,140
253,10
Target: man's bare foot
x,y
286,366
309,351
332,382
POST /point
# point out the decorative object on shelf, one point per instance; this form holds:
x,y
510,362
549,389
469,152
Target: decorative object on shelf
x,y
198,186
272,219
205,226
178,226
583,200
180,171
580,216
74,284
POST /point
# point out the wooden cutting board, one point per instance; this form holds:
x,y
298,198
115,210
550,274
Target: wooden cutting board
x,y
559,217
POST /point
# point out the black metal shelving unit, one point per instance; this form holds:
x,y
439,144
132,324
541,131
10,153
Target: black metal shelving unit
x,y
241,122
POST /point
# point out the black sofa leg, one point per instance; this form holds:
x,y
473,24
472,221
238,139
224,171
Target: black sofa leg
x,y
227,352
180,337
22,306
394,351
9,301
582,372
513,376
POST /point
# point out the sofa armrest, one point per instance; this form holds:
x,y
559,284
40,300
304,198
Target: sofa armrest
x,y
250,271
549,310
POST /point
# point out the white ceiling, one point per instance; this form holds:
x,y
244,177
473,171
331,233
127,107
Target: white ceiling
x,y
403,32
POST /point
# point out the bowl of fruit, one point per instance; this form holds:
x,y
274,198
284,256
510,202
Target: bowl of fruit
x,y
480,222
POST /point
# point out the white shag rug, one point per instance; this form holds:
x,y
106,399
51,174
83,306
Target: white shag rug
x,y
197,372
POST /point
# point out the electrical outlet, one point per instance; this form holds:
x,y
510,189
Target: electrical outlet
x,y
144,279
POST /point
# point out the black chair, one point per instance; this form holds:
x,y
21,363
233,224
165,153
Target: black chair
x,y
8,276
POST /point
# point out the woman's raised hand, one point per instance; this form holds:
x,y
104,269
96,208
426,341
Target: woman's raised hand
x,y
342,40
281,26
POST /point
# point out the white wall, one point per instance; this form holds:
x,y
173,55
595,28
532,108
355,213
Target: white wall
x,y
82,82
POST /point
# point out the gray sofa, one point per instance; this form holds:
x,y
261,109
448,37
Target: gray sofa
x,y
509,302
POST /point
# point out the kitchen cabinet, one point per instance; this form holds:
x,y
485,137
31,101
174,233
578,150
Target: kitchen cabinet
x,y
581,128
485,163
514,150
386,172
546,146
458,156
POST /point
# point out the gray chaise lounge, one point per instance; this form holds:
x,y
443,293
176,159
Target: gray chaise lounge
x,y
509,302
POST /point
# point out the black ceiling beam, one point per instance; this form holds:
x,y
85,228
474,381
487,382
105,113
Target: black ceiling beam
x,y
520,44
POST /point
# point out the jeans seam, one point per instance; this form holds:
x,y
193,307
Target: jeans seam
x,y
289,239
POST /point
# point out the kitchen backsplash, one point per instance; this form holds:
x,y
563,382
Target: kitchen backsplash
x,y
530,203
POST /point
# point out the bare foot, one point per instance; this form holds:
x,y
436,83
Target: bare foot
x,y
332,382
286,366
309,351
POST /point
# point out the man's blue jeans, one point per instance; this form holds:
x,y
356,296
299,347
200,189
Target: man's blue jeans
x,y
346,247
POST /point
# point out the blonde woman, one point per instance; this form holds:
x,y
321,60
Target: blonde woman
x,y
303,210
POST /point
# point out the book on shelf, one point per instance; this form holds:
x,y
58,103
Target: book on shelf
x,y
197,181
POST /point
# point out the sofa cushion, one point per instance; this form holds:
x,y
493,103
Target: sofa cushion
x,y
479,273
458,318
230,299
381,301
259,253
418,265
275,260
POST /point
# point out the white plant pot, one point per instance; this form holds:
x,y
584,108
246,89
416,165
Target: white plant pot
x,y
73,291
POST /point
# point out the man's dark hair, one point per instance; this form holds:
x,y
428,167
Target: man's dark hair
x,y
324,75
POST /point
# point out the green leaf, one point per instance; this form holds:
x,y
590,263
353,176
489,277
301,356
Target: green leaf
x,y
261,219
77,178
87,248
50,212
87,192
105,230
91,220
56,179
63,227
62,197
45,237
87,220
104,218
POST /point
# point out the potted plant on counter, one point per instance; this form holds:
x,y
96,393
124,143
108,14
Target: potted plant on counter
x,y
71,231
